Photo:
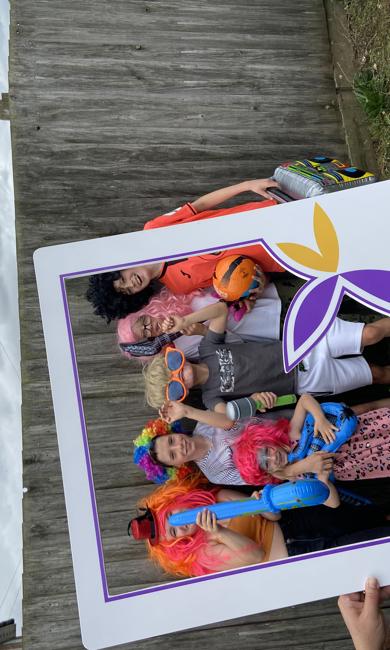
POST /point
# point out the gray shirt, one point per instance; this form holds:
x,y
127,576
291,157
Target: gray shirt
x,y
240,369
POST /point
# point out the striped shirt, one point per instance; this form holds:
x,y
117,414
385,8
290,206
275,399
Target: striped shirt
x,y
218,465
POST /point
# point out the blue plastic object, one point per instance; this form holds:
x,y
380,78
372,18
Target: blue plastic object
x,y
345,419
253,285
300,494
338,414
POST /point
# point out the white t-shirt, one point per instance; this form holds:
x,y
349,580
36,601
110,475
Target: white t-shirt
x,y
262,322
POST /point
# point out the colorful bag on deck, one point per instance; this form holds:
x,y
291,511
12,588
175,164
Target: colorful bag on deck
x,y
318,175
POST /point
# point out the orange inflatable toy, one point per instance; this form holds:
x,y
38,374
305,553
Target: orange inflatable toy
x,y
233,277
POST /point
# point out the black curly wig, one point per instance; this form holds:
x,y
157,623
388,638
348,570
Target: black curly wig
x,y
110,304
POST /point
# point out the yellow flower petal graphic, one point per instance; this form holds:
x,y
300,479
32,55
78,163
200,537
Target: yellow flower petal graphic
x,y
327,259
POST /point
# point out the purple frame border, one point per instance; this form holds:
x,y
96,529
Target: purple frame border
x,y
342,292
185,582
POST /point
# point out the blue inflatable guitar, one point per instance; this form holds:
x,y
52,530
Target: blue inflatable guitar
x,y
300,494
338,414
346,422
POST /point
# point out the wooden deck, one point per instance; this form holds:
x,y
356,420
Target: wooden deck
x,y
121,111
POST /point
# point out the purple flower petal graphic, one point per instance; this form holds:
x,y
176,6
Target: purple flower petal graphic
x,y
309,317
373,282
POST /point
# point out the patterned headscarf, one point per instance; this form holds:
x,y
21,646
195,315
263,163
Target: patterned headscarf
x,y
153,471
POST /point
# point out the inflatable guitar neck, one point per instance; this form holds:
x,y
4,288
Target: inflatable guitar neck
x,y
150,347
300,494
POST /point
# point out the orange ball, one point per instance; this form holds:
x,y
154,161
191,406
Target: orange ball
x,y
233,277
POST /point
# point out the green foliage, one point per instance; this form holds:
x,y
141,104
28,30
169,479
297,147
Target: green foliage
x,y
371,93
369,28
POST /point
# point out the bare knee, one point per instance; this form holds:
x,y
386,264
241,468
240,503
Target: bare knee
x,y
380,374
375,332
370,335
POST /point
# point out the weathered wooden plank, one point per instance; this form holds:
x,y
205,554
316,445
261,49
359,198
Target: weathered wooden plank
x,y
113,500
117,422
193,114
138,574
117,429
46,470
326,633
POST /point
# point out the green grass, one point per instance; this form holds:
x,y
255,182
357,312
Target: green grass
x,y
369,29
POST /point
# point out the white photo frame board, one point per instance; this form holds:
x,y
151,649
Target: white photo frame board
x,y
107,620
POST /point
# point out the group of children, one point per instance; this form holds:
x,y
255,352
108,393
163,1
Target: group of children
x,y
226,359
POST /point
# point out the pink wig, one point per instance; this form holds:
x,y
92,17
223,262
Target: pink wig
x,y
191,548
163,304
256,435
183,556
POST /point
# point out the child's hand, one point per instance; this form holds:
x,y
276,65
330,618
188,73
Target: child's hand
x,y
173,324
294,432
260,185
266,398
261,281
325,428
172,411
271,516
255,293
319,462
256,494
207,520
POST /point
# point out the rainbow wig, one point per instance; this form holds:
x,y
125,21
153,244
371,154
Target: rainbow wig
x,y
255,435
163,304
154,471
183,556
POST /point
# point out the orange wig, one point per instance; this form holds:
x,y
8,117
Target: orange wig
x,y
184,556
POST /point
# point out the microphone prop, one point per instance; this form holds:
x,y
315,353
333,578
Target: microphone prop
x,y
246,407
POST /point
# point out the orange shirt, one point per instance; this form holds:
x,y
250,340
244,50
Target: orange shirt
x,y
254,527
257,528
185,275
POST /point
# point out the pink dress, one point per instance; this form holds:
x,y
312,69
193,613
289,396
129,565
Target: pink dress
x,y
367,453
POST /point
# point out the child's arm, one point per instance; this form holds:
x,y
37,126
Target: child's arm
x,y
172,411
266,398
359,409
229,548
307,404
317,463
243,550
196,329
272,516
209,201
215,313
333,500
